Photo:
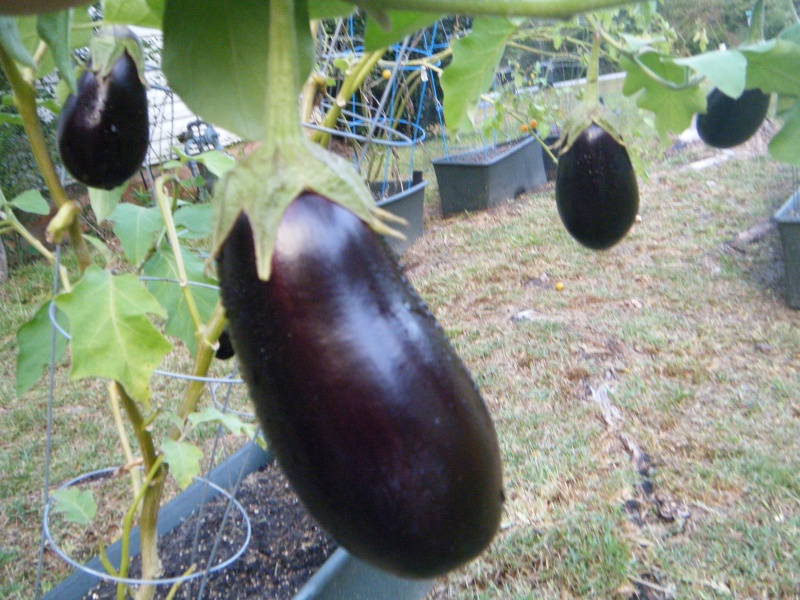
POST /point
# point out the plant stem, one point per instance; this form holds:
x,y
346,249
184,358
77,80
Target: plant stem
x,y
350,85
150,493
25,97
165,205
282,66
113,396
756,32
592,96
202,362
554,9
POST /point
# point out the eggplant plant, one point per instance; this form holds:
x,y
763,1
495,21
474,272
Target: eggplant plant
x,y
256,61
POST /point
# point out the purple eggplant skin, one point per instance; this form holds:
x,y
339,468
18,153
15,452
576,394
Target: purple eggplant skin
x,y
596,191
103,131
729,122
225,349
369,411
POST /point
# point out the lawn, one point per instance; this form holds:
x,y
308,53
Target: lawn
x,y
647,411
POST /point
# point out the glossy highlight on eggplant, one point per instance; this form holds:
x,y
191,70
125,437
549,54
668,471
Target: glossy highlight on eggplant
x,y
103,131
729,122
596,190
371,414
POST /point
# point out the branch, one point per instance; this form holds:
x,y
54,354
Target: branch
x,y
25,98
552,9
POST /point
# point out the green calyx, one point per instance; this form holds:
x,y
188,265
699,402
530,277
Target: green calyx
x,y
112,42
287,164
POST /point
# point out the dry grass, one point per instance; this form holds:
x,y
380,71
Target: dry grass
x,y
648,413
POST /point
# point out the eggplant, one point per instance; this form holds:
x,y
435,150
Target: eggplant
x,y
103,131
729,122
373,417
225,349
596,190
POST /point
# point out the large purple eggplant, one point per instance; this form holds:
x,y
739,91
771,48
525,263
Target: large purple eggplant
x,y
369,411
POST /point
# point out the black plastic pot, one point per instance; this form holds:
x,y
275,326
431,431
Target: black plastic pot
x,y
480,179
406,202
341,577
788,221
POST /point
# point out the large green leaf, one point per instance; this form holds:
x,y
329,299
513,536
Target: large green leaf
x,y
112,336
673,108
11,41
471,73
179,321
194,221
104,202
774,66
77,506
54,28
34,341
785,146
131,12
183,459
31,201
403,23
135,227
727,70
216,61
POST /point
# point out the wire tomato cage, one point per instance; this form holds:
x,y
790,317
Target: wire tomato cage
x,y
220,390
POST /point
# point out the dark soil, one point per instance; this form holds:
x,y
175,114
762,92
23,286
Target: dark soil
x,y
482,155
285,549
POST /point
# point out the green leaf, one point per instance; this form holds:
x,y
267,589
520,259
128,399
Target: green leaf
x,y
785,145
111,334
179,321
195,219
183,459
54,28
773,66
34,341
104,202
135,227
215,59
727,70
77,506
328,9
31,201
131,12
11,119
403,23
215,161
12,42
471,73
229,421
100,246
673,108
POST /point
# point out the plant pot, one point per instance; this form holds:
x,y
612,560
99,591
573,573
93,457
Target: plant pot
x,y
788,221
342,576
480,179
405,202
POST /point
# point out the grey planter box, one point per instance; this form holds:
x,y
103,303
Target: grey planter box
x,y
473,180
788,222
406,202
342,577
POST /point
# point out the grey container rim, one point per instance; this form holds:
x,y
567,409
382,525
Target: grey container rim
x,y
402,194
453,159
341,577
784,213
